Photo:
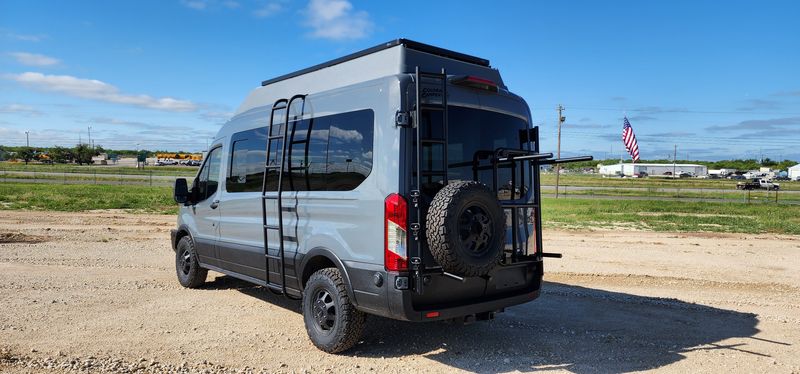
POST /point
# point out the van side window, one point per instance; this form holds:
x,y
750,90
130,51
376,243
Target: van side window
x,y
330,153
350,149
248,155
308,155
208,179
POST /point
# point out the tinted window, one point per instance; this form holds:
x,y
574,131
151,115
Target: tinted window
x,y
208,179
349,149
308,155
473,130
248,152
330,153
473,133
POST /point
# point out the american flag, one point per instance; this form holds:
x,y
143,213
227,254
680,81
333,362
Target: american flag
x,y
629,139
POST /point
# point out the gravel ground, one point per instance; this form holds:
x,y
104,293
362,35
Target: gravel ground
x,y
96,292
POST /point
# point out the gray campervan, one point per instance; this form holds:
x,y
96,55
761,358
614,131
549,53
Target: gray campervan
x,y
400,181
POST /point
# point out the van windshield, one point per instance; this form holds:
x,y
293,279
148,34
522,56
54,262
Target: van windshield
x,y
470,133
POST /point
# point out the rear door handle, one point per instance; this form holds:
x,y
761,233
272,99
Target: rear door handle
x,y
214,204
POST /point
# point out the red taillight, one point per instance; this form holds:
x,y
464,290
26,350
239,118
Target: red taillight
x,y
475,82
432,314
395,238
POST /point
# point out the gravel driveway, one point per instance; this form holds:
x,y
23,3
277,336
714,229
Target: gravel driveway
x,y
96,292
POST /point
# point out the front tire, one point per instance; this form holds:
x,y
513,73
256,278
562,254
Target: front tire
x,y
190,274
333,323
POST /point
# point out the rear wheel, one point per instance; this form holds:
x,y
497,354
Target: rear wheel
x,y
190,274
332,321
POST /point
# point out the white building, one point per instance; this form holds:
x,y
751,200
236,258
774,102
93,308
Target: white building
x,y
794,172
652,169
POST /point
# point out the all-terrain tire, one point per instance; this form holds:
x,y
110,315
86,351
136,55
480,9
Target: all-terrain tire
x,y
452,226
332,321
190,274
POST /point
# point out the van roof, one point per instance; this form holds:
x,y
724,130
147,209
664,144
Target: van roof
x,y
410,44
390,59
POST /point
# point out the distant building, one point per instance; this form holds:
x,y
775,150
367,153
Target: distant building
x,y
794,172
652,169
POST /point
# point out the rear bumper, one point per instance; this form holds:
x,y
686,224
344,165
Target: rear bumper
x,y
444,298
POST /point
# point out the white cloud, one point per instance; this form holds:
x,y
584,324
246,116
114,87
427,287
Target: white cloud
x,y
231,4
217,117
336,20
346,135
267,10
26,38
98,90
20,109
33,59
195,4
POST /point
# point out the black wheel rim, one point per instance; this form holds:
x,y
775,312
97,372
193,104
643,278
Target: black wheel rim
x,y
185,262
475,230
324,310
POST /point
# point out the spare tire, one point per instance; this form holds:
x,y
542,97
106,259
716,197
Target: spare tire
x,y
466,229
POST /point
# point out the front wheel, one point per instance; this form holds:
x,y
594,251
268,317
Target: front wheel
x,y
190,274
332,321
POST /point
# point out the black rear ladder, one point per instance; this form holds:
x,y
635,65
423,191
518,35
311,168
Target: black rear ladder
x,y
426,142
278,165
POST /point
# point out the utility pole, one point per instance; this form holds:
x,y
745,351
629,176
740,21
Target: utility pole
x,y
27,139
674,156
558,154
90,136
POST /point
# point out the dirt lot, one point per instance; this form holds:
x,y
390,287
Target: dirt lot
x,y
96,292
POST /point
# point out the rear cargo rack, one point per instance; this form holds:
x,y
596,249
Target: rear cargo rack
x,y
520,161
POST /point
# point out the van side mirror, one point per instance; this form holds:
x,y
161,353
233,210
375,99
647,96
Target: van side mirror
x,y
181,191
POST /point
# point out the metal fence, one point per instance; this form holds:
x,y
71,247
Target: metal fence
x,y
670,193
135,177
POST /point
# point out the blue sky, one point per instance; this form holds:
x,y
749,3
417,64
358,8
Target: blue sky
x,y
719,79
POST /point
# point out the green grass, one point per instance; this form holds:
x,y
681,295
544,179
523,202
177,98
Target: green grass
x,y
671,216
651,182
566,213
73,198
99,169
755,195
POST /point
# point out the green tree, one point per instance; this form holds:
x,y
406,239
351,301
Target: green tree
x,y
83,154
26,153
61,155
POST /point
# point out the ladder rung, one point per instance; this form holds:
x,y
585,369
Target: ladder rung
x,y
272,227
274,137
274,257
432,75
289,209
432,107
270,167
299,141
275,286
432,141
282,106
298,168
518,205
286,238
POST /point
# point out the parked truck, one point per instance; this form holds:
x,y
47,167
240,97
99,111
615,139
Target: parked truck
x,y
758,184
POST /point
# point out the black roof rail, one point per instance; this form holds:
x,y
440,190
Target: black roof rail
x,y
417,46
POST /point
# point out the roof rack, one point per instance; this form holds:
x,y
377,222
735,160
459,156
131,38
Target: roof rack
x,y
417,46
